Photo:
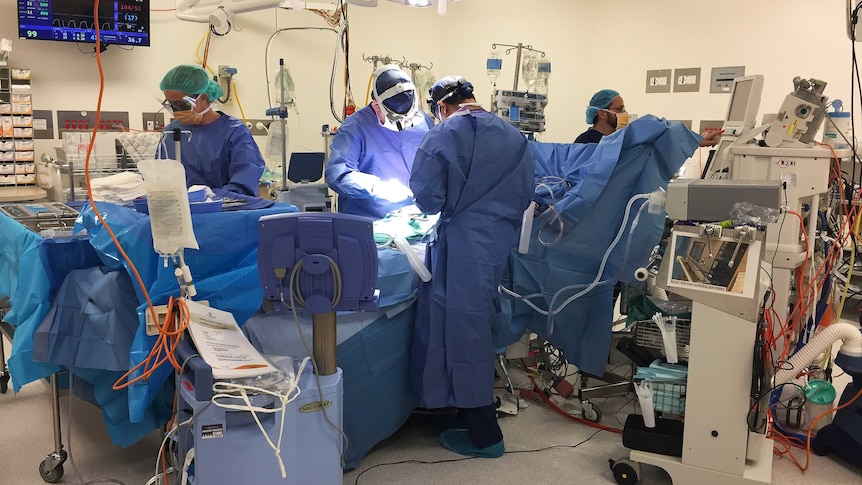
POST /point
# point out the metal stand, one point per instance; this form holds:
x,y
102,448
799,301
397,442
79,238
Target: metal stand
x,y
717,445
281,112
51,468
4,371
324,343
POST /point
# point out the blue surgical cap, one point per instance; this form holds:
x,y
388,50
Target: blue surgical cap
x,y
600,100
451,84
400,103
192,80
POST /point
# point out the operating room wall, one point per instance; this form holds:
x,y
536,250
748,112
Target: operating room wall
x,y
777,38
592,45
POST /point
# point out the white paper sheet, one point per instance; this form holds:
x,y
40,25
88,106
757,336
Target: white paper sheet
x,y
223,346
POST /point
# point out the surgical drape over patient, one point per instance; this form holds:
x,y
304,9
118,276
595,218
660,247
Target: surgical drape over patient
x,y
594,183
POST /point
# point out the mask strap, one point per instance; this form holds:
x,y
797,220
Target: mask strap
x,y
396,90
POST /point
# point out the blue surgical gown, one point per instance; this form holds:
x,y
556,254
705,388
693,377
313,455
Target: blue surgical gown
x,y
476,170
363,153
221,155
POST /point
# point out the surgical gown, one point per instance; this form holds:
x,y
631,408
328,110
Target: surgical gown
x,y
365,153
221,155
477,171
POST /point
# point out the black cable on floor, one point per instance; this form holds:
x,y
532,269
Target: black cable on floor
x,y
453,460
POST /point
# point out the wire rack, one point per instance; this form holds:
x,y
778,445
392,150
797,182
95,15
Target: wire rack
x,y
648,335
669,397
100,166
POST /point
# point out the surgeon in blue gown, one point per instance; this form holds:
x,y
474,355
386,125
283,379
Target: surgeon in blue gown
x,y
220,152
476,171
372,153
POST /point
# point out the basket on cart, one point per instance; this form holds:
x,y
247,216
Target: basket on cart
x,y
668,395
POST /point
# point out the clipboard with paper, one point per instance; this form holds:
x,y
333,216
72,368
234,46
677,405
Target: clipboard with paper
x,y
222,345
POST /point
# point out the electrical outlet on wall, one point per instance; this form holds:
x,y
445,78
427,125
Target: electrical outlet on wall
x,y
258,127
153,121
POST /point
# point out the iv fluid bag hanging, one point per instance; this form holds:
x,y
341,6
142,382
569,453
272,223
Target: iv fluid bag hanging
x,y
425,79
529,69
168,202
275,140
284,83
494,65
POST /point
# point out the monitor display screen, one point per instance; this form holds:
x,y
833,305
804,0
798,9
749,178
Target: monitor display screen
x,y
121,22
739,103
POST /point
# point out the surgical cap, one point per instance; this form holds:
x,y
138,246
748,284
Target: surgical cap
x,y
600,100
454,85
192,80
400,103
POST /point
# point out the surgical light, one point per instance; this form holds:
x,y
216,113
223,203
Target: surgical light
x,y
441,4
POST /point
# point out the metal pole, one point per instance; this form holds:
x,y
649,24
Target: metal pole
x,y
55,395
178,135
324,342
517,66
283,116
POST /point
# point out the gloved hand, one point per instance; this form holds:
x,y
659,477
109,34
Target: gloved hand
x,y
391,190
200,193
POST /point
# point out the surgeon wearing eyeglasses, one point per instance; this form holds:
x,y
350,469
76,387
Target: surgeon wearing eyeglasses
x,y
372,154
221,152
607,113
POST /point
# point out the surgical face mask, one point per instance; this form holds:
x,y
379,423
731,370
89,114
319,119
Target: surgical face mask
x,y
190,116
622,118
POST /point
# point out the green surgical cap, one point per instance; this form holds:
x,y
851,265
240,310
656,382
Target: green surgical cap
x,y
600,100
192,80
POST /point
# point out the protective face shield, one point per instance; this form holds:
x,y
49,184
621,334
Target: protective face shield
x,y
396,97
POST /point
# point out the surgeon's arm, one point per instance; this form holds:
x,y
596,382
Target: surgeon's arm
x,y
342,172
245,164
428,179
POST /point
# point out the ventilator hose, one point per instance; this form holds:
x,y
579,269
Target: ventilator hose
x,y
850,334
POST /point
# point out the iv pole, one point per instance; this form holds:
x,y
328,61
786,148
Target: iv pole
x,y
520,47
281,112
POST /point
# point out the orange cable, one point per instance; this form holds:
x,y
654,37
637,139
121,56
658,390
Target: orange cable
x,y
183,310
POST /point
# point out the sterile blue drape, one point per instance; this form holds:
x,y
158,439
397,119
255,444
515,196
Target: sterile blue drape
x,y
597,182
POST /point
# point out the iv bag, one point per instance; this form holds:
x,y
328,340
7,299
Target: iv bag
x,y
529,69
168,202
276,142
424,81
284,83
494,65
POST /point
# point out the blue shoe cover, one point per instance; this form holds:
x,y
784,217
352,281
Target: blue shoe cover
x,y
458,441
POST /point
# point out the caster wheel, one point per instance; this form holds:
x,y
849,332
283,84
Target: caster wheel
x,y
819,448
591,412
625,471
50,476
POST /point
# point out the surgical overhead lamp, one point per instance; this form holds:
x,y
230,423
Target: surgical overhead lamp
x,y
203,10
441,4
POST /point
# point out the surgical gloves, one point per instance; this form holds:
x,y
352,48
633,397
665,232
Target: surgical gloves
x,y
391,190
